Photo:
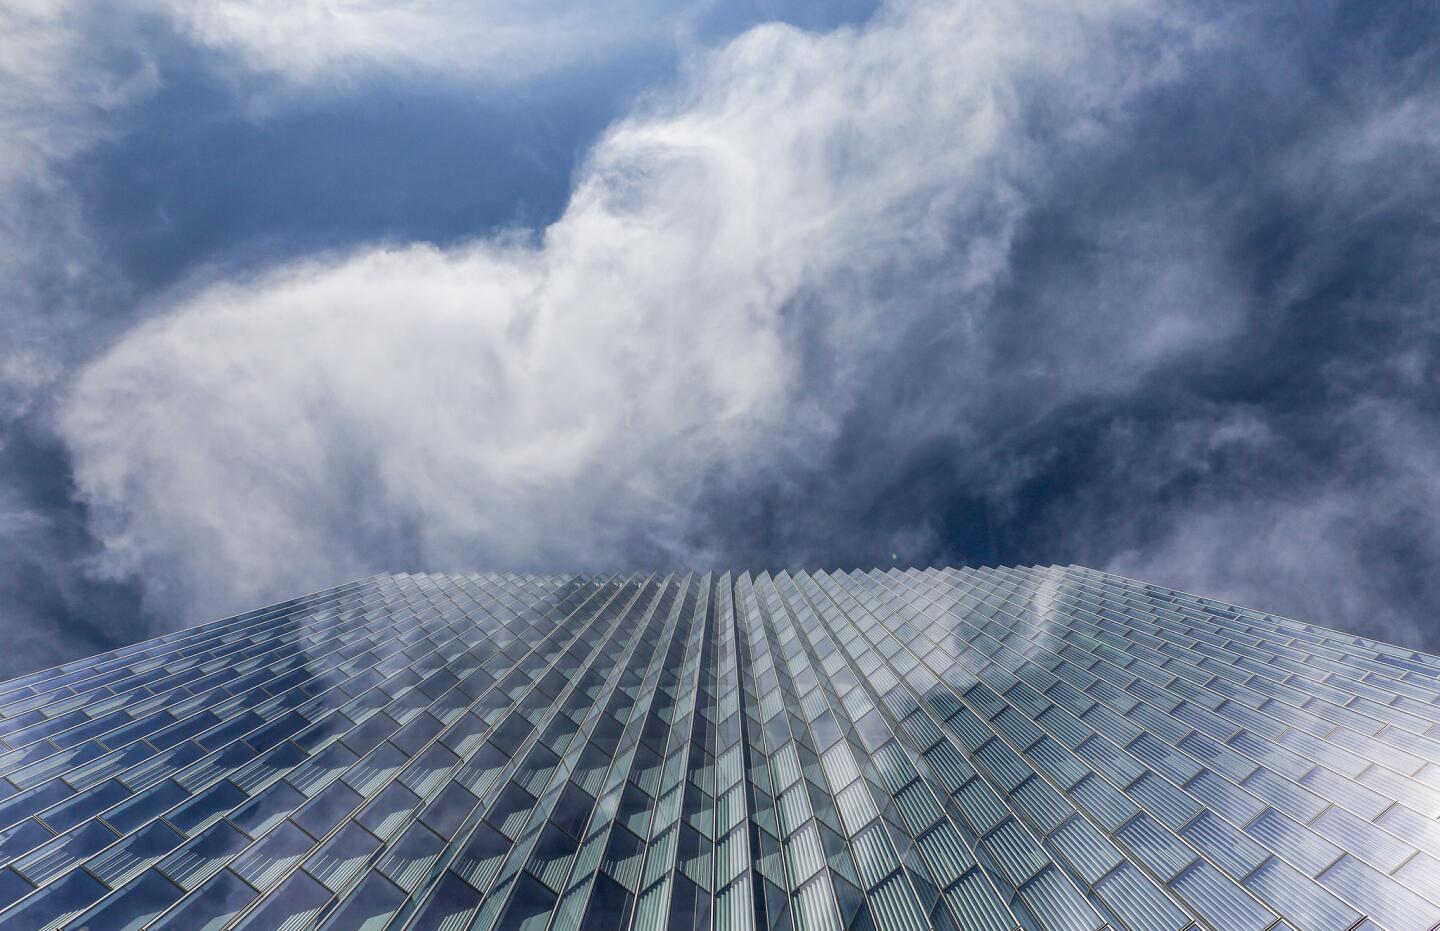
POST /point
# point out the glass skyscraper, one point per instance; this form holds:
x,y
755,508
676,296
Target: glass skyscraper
x,y
1030,748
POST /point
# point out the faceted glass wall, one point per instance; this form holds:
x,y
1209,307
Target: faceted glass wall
x,y
1049,748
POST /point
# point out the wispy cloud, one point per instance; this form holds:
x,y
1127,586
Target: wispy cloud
x,y
317,42
55,92
562,401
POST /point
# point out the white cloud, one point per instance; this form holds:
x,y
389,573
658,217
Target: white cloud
x,y
553,402
47,84
55,97
324,41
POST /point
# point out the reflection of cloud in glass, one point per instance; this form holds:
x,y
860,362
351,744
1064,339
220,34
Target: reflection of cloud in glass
x,y
1109,753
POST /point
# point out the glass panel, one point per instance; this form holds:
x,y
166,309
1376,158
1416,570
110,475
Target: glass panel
x,y
369,907
135,905
606,750
292,906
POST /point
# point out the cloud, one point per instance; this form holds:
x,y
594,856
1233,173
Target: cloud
x,y
58,92
51,86
1212,360
1338,547
55,91
318,42
765,232
78,82
1127,284
1329,512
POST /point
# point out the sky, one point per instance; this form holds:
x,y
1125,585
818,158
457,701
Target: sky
x,y
296,292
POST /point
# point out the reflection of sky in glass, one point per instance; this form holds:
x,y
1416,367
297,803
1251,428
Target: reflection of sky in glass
x,y
1047,748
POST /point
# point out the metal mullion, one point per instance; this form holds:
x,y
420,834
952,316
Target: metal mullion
x,y
1142,806
262,897
1279,652
562,772
408,911
715,624
673,630
772,626
212,754
761,630
1383,735
729,665
970,837
1087,889
237,699
144,687
1324,795
688,688
742,619
123,653
187,650
789,592
983,773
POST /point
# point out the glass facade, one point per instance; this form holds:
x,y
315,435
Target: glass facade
x,y
1030,748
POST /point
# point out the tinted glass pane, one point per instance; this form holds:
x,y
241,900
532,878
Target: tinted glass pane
x,y
949,748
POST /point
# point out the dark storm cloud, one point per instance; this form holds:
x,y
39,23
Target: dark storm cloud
x,y
1274,210
43,577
